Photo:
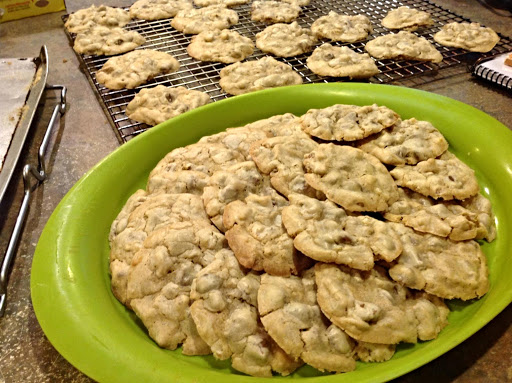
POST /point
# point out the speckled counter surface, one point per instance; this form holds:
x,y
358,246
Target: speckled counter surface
x,y
86,137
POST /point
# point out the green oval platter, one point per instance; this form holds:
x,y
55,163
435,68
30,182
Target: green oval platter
x,y
70,281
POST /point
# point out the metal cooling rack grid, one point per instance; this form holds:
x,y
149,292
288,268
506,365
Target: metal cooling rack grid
x,y
204,76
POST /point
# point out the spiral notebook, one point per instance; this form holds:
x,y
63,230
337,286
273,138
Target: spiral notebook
x,y
495,70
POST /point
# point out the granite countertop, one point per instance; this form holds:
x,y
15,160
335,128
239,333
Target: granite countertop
x,y
86,137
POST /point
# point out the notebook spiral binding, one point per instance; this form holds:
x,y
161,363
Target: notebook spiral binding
x,y
491,75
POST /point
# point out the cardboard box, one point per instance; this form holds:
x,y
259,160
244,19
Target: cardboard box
x,y
18,9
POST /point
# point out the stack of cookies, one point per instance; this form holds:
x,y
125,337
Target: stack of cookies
x,y
324,239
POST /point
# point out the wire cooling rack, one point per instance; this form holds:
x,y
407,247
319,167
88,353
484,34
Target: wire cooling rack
x,y
204,76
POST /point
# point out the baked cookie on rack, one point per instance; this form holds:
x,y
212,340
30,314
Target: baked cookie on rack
x,y
100,40
300,3
406,18
470,36
220,45
225,3
158,9
87,18
343,28
249,76
274,11
333,61
285,40
194,21
135,68
403,45
153,106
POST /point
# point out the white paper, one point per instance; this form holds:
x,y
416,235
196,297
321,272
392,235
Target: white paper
x,y
497,64
16,77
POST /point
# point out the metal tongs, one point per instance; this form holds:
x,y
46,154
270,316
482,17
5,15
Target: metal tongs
x,y
32,177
